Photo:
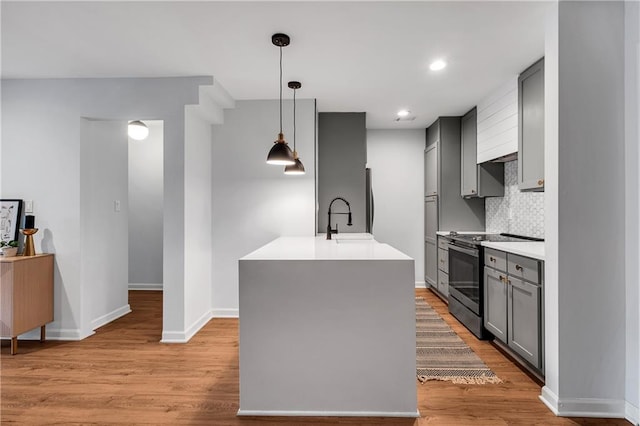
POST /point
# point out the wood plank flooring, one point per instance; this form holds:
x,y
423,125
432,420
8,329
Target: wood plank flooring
x,y
123,375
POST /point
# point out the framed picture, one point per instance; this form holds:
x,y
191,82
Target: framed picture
x,y
10,214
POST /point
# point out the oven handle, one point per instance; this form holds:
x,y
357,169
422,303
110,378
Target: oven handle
x,y
470,252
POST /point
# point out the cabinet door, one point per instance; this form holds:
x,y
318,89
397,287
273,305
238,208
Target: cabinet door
x,y
431,263
531,128
524,320
495,303
431,170
431,219
468,164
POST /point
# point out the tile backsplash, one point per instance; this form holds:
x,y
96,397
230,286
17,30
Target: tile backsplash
x,y
517,212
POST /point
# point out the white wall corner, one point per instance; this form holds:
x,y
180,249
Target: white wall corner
x,y
145,286
421,284
219,95
185,336
213,99
632,413
111,316
225,313
583,407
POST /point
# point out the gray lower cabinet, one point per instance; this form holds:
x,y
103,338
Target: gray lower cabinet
x,y
495,303
443,267
431,264
531,128
513,305
524,320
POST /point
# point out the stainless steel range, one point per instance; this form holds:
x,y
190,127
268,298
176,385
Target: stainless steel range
x,y
466,265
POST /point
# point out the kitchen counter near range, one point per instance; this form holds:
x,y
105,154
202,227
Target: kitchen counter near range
x,y
447,233
533,249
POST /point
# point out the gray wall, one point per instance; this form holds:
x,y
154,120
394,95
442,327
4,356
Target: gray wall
x,y
254,202
145,209
585,300
399,217
632,270
57,105
342,158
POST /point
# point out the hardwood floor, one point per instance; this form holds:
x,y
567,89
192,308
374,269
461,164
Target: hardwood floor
x,y
123,375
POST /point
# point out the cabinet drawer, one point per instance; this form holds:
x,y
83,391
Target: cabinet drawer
x,y
524,268
443,243
443,260
495,259
443,283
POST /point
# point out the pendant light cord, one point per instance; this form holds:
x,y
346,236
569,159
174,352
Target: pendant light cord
x,y
294,120
280,89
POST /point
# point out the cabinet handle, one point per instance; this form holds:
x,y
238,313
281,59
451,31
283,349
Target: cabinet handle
x,y
492,259
509,282
518,268
441,260
473,191
503,279
540,182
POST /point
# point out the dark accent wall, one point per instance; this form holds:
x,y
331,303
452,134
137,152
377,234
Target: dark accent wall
x,y
342,157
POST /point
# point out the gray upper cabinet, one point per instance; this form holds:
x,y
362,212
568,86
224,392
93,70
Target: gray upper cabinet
x,y
442,177
431,170
477,180
445,209
531,128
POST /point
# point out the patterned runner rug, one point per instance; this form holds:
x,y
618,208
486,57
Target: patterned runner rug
x,y
442,355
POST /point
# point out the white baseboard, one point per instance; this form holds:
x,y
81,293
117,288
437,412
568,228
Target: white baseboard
x,y
411,414
421,284
66,334
631,413
225,313
185,336
583,407
145,286
111,316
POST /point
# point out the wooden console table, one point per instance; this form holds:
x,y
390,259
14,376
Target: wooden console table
x,y
26,295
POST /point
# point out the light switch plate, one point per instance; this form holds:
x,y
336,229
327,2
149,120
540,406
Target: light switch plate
x,y
116,205
28,206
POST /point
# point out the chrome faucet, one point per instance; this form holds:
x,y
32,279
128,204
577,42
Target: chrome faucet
x,y
349,223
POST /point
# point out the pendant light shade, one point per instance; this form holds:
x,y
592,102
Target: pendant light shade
x,y
296,168
280,153
137,130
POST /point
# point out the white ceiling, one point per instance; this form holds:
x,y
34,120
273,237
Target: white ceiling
x,y
351,56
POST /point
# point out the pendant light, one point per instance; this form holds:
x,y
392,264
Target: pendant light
x,y
298,167
137,130
280,153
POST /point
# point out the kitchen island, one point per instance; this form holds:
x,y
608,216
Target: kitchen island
x,y
327,328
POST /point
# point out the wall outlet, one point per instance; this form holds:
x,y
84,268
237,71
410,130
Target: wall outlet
x,y
510,213
28,206
116,206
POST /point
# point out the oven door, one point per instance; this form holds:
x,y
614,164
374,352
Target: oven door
x,y
464,277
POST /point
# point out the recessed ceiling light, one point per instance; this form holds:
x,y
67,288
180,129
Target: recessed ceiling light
x,y
437,65
403,113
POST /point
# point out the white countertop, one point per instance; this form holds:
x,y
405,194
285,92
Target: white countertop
x,y
341,247
534,249
446,233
